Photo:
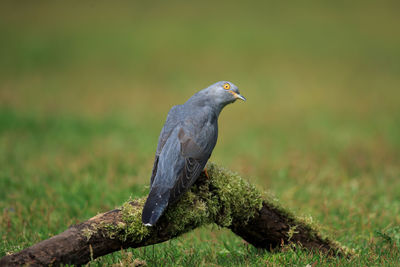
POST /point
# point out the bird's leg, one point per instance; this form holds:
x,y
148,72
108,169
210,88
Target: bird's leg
x,y
205,172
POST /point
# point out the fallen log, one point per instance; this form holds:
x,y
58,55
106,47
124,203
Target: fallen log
x,y
224,199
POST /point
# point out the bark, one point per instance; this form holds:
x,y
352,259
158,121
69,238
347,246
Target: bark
x,y
224,199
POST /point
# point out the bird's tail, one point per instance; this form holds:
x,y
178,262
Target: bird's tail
x,y
154,207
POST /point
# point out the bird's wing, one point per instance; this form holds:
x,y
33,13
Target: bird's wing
x,y
169,125
195,157
180,162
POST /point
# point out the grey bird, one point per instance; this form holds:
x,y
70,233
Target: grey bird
x,y
185,144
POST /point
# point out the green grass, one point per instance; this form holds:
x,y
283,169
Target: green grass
x,y
85,88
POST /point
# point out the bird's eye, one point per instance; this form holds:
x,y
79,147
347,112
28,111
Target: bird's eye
x,y
227,86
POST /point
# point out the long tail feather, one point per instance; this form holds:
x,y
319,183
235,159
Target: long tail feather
x,y
154,207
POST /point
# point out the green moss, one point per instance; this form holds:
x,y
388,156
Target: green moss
x,y
88,232
234,196
131,226
190,212
220,199
292,231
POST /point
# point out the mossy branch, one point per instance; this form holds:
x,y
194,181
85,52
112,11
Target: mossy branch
x,y
224,198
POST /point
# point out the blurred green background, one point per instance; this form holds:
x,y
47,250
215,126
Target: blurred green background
x,y
85,88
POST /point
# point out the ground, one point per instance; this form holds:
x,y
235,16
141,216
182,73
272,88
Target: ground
x,y
85,89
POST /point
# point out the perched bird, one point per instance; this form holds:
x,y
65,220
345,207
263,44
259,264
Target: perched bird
x,y
185,145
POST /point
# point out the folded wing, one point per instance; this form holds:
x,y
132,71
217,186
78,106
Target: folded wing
x,y
180,163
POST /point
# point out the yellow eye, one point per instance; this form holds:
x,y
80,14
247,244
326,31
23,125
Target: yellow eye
x,y
227,86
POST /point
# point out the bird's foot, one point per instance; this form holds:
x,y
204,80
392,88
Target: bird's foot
x,y
206,173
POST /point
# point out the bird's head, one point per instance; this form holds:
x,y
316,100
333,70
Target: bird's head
x,y
225,92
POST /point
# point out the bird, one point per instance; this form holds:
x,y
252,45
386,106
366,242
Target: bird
x,y
185,144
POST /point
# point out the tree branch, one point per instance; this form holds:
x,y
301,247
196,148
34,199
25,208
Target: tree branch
x,y
224,199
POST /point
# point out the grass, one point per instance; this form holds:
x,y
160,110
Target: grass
x,y
85,88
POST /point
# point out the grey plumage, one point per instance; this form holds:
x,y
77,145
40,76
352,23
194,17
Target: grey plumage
x,y
185,145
